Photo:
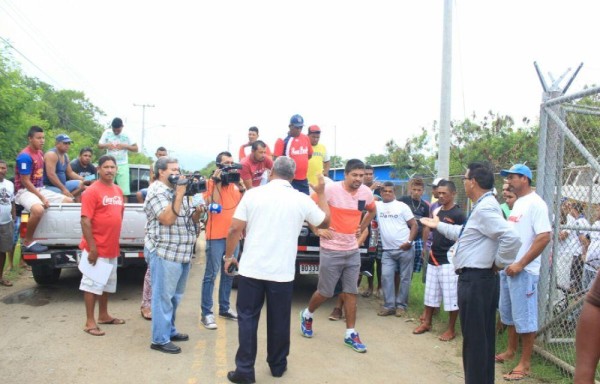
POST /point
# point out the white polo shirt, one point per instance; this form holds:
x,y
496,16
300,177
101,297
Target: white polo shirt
x,y
274,214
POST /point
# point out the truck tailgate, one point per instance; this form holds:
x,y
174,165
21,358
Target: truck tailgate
x,y
61,226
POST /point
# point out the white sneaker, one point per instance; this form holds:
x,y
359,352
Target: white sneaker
x,y
209,321
229,315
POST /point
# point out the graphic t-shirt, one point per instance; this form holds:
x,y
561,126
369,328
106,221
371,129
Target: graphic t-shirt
x,y
530,218
419,208
81,170
30,162
440,244
7,196
315,164
104,206
392,218
121,155
345,209
297,148
254,170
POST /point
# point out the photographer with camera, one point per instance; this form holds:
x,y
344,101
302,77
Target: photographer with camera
x,y
222,196
169,246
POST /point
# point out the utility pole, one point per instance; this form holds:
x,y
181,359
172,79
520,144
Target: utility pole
x,y
443,166
144,106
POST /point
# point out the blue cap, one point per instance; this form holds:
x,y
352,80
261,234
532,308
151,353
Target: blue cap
x,y
63,138
518,169
297,121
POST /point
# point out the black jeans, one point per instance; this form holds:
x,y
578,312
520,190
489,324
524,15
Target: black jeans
x,y
250,300
478,291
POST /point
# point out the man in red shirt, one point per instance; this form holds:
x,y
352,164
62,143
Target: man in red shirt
x,y
101,217
298,147
245,149
256,166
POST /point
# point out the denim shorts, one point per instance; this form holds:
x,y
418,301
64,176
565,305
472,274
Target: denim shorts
x,y
519,301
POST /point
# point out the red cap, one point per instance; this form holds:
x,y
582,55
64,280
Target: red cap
x,y
314,129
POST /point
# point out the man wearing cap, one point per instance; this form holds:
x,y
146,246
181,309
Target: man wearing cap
x,y
57,169
118,144
319,162
519,280
29,184
246,149
296,146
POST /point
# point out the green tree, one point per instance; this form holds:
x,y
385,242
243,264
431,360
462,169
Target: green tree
x,y
336,161
374,159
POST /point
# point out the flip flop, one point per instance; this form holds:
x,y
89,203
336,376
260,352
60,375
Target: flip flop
x,y
94,331
498,359
113,321
6,283
146,313
515,375
446,338
421,329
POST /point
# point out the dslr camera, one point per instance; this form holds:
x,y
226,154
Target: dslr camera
x,y
194,182
228,175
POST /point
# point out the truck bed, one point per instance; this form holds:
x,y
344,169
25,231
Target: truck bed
x,y
61,226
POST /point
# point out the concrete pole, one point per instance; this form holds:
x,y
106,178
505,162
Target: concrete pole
x,y
144,106
443,164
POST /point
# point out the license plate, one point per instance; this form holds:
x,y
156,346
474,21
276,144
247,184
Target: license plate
x,y
309,269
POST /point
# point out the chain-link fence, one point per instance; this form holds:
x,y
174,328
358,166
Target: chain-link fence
x,y
568,180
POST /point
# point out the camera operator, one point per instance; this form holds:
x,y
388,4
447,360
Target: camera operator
x,y
169,246
222,196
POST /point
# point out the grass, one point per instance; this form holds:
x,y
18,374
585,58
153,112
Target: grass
x,y
14,273
542,370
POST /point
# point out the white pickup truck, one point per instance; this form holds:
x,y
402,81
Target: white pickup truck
x,y
60,231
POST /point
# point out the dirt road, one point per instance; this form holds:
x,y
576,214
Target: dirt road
x,y
43,341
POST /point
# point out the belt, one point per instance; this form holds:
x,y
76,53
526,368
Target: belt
x,y
460,271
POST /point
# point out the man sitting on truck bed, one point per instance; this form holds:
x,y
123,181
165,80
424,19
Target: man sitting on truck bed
x,y
29,183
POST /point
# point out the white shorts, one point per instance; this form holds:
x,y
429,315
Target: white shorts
x,y
441,282
28,199
89,285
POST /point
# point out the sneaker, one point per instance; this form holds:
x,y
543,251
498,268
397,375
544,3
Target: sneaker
x,y
386,312
35,247
354,342
400,312
336,314
209,321
229,315
305,325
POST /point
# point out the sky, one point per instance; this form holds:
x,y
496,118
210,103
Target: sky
x,y
365,72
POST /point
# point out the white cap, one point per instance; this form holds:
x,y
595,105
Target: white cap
x,y
437,181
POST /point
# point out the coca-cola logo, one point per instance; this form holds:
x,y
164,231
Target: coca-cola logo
x,y
114,200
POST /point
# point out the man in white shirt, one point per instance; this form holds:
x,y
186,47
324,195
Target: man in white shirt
x,y
519,281
7,219
272,216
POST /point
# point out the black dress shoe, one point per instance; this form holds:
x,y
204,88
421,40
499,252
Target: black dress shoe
x,y
278,374
166,348
180,337
235,377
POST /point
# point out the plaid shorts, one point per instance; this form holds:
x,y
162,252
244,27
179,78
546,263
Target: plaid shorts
x,y
418,245
441,283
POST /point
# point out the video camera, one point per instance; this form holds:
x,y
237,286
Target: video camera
x,y
194,181
227,176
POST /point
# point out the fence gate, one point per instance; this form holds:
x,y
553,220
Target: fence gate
x,y
568,180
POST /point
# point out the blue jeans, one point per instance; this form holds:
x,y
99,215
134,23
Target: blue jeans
x,y
390,262
215,249
168,283
71,185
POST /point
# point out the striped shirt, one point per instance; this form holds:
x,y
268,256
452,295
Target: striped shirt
x,y
171,242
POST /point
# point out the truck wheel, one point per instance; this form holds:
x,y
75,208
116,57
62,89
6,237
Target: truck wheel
x,y
44,274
